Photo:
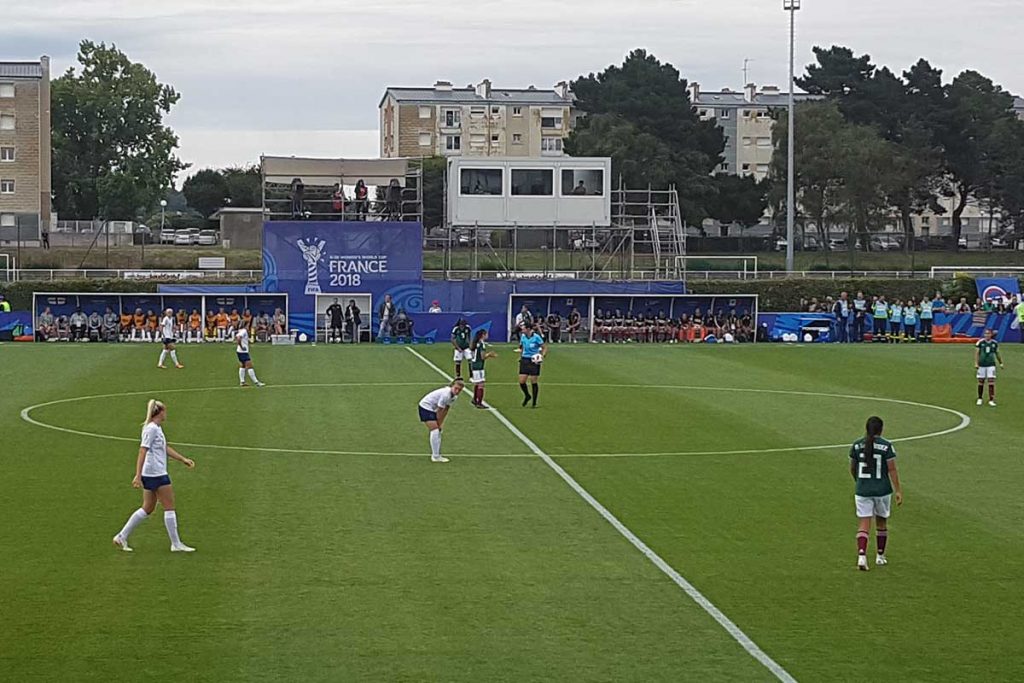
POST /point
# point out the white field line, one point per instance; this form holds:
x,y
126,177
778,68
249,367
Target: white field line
x,y
731,628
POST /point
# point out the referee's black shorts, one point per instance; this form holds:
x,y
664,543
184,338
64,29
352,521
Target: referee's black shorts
x,y
528,367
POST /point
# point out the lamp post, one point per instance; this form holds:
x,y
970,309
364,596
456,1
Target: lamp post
x,y
790,6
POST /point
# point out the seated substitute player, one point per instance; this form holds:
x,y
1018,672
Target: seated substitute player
x,y
195,327
573,324
211,325
222,325
554,327
79,325
532,351
95,324
126,325
111,325
45,326
873,467
280,322
433,409
234,322
461,335
181,318
244,359
167,325
480,357
139,325
152,324
247,320
262,327
986,355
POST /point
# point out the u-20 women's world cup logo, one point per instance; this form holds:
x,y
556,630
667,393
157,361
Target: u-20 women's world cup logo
x,y
313,251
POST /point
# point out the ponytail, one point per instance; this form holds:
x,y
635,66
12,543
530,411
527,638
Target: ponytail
x,y
872,429
153,408
476,339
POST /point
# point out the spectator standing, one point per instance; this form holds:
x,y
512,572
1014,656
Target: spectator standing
x,y
298,198
522,318
910,321
393,200
46,239
335,321
1020,319
841,309
338,200
435,307
5,305
280,322
386,313
860,312
895,321
927,315
963,306
880,314
353,320
362,196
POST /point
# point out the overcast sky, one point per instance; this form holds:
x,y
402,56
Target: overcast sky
x,y
304,78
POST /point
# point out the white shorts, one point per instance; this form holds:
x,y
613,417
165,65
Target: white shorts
x,y
987,372
477,377
874,506
462,354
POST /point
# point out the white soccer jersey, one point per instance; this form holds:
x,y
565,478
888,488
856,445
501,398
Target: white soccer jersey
x,y
167,325
440,398
242,338
156,451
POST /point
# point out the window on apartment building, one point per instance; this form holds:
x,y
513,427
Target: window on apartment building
x,y
517,138
6,90
532,182
517,111
495,111
425,112
477,112
6,187
702,113
452,118
764,142
551,122
551,145
7,154
748,142
762,114
481,181
8,220
453,143
723,113
495,138
747,113
582,183
477,140
746,168
424,139
724,167
6,121
925,220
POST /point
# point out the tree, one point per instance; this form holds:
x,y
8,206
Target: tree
x,y
205,191
740,200
641,115
244,185
838,73
433,170
112,155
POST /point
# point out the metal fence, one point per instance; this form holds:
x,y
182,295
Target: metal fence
x,y
48,274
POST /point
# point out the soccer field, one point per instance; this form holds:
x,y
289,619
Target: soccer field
x,y
330,548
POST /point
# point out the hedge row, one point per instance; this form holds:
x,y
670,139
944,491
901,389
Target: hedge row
x,y
775,295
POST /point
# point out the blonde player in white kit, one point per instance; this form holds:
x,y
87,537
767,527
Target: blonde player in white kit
x,y
151,476
167,328
434,409
244,359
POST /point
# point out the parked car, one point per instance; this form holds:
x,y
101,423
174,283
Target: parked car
x,y
838,244
186,237
885,243
167,236
961,243
142,235
208,238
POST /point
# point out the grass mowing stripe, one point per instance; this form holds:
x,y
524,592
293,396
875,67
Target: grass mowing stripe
x,y
730,627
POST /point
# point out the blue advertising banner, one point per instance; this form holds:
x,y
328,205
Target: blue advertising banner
x,y
307,258
999,288
15,324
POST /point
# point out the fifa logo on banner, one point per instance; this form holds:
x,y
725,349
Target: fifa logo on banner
x,y
313,251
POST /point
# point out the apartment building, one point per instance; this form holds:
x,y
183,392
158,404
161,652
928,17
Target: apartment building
x,y
475,121
746,120
24,149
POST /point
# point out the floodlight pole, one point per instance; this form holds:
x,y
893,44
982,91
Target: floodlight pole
x,y
790,6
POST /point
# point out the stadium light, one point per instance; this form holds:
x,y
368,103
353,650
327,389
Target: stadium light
x,y
790,6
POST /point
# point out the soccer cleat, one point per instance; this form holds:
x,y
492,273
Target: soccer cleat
x,y
880,560
260,384
525,402
439,459
979,402
862,563
481,405
992,403
121,544
161,367
180,366
243,384
182,548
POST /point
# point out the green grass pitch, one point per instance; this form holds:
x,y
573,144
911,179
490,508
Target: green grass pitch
x,y
331,549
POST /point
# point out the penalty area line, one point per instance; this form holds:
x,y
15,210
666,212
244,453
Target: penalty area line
x,y
725,622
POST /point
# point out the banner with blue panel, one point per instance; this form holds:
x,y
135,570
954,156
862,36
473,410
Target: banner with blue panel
x,y
961,324
15,324
997,288
308,258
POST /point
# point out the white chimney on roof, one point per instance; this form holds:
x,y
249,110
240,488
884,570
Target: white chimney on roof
x,y
562,88
484,89
694,92
443,86
749,92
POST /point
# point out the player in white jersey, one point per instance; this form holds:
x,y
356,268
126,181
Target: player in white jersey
x,y
151,476
244,359
168,324
434,409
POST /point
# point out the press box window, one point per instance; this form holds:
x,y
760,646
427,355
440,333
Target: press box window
x,y
532,182
481,181
589,182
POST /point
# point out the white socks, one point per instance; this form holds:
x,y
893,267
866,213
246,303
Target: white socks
x,y
163,356
174,357
171,522
252,376
435,443
136,519
241,375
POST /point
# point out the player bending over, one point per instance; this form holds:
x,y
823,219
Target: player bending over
x,y
167,328
873,466
434,409
986,355
151,476
244,359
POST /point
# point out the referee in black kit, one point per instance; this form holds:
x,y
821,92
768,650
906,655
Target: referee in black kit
x,y
336,318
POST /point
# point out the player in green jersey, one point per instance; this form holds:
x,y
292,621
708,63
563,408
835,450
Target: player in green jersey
x,y
476,366
873,467
986,355
460,342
